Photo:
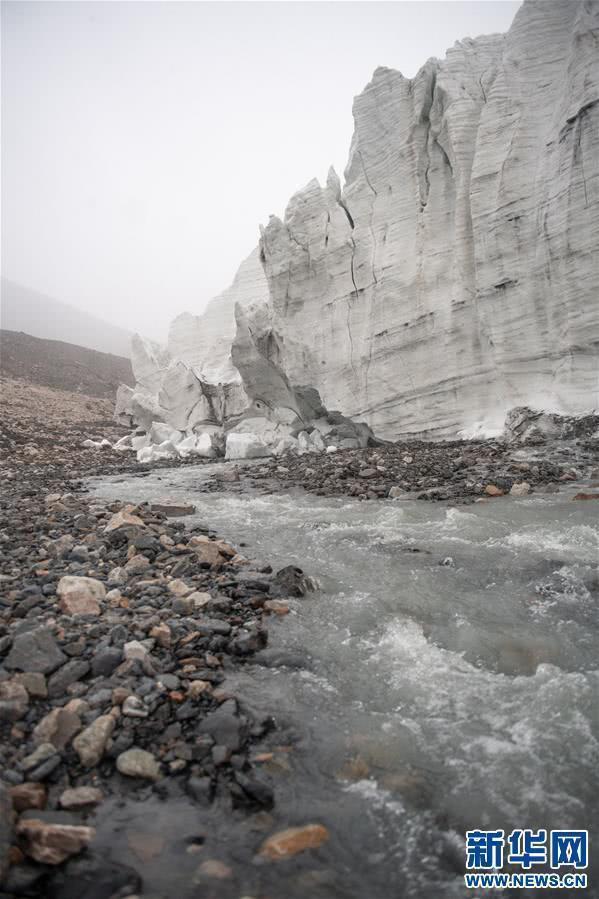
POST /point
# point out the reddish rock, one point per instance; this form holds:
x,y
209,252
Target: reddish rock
x,y
58,727
28,795
287,843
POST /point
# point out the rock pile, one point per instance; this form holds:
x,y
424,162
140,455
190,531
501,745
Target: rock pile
x,y
117,629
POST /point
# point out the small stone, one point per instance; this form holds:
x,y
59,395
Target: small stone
x,y
28,795
34,683
394,492
198,688
106,660
58,727
117,576
368,473
14,700
69,674
586,496
51,844
522,488
121,520
138,564
179,588
162,634
207,552
138,763
289,842
276,606
39,755
214,869
134,707
135,650
91,743
199,600
173,509
35,651
80,595
80,797
492,490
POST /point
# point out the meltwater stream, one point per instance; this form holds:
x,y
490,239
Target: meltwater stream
x,y
451,682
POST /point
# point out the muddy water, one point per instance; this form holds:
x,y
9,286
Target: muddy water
x,y
450,680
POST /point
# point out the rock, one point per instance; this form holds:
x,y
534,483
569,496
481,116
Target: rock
x,y
42,753
28,795
173,509
77,798
14,700
138,763
66,675
92,876
6,830
522,488
395,492
207,553
34,683
213,869
134,707
179,587
492,490
35,651
292,581
51,844
586,496
58,728
246,446
138,564
276,607
123,519
80,595
224,726
91,743
105,660
289,842
135,650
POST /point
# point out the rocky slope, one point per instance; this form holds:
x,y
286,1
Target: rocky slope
x,y
54,363
454,275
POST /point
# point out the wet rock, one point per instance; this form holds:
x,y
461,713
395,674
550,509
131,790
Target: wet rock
x,y
50,843
77,798
14,700
173,509
35,650
521,488
493,490
276,607
91,743
134,707
80,595
292,581
395,492
224,726
93,877
290,842
586,496
138,763
57,728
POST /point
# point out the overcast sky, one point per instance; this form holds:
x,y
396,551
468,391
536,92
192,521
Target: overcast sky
x,y
143,143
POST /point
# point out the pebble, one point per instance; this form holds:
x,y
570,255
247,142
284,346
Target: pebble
x,y
137,762
80,797
51,844
293,840
35,650
91,742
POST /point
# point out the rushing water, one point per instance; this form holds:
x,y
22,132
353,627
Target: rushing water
x,y
452,682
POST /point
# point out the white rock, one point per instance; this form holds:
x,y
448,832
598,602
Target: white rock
x,y
245,446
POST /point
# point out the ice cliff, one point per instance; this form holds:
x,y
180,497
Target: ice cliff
x,y
452,277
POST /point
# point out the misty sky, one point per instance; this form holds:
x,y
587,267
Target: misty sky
x,y
143,143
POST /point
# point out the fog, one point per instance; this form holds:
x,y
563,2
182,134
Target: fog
x,y
144,143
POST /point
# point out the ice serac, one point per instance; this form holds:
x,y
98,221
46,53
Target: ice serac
x,y
456,274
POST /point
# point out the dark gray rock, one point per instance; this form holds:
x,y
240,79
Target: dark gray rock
x,y
106,660
35,650
6,829
67,675
224,726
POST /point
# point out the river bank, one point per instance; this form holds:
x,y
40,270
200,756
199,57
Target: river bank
x,y
137,726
